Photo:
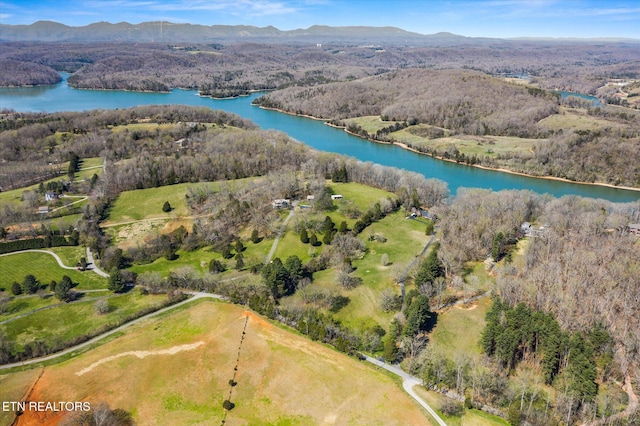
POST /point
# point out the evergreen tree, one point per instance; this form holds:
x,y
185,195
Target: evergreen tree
x,y
16,288
239,261
275,277
419,315
63,289
30,284
390,341
255,237
343,229
166,207
215,266
328,225
430,228
293,265
304,236
116,283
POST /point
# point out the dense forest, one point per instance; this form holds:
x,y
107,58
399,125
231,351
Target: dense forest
x,y
463,101
232,66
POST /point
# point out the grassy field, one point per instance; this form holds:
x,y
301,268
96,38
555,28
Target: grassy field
x,y
70,255
128,205
571,120
469,418
481,146
459,329
66,322
405,240
281,377
45,268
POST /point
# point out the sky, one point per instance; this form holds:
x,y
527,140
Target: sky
x,y
472,18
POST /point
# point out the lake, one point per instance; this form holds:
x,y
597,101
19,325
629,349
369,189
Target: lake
x,y
61,97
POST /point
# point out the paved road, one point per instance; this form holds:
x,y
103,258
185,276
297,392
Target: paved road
x,y
196,296
62,265
91,266
408,382
280,231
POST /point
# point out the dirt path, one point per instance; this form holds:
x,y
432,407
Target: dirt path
x,y
142,354
280,231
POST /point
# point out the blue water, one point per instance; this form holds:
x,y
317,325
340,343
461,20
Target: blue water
x,y
61,97
596,102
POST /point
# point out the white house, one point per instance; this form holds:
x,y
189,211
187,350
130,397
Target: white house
x,y
281,203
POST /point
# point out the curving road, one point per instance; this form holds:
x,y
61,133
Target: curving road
x,y
62,265
408,382
196,296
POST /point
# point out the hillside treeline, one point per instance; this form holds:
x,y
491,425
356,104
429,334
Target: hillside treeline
x,y
17,73
200,145
34,145
465,102
233,68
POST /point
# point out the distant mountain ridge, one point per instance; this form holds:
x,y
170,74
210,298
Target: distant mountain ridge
x,y
162,31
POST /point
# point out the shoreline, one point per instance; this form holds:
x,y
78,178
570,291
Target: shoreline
x,y
402,145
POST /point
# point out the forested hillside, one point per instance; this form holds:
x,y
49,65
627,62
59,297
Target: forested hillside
x,y
231,65
465,102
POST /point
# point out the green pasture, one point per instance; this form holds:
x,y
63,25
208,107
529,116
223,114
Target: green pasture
x,y
147,203
459,329
198,259
362,196
67,322
370,123
568,119
469,418
70,255
45,268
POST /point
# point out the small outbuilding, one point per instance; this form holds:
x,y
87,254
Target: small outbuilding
x,y
634,228
43,209
336,197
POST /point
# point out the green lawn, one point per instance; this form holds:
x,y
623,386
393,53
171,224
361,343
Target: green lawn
x,y
370,123
21,304
147,203
459,329
45,268
198,259
70,255
361,195
405,240
66,322
469,418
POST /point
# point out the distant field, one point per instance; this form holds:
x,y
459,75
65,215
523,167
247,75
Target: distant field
x,y
45,268
571,120
66,322
282,378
